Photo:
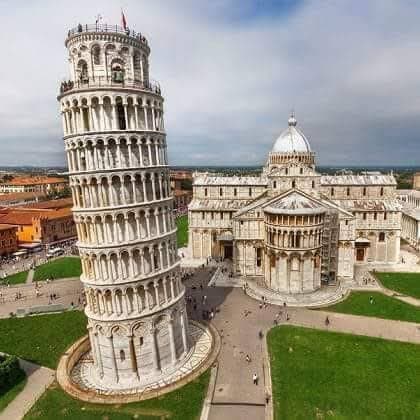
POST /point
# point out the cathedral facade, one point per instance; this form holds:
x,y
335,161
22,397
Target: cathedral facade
x,y
292,227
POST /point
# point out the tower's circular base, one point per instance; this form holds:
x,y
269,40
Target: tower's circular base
x,y
75,370
324,296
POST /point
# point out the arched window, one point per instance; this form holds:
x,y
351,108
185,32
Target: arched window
x,y
122,355
82,70
96,54
274,184
301,171
381,237
220,192
117,71
287,171
293,184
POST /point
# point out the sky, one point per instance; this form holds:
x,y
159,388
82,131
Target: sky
x,y
231,71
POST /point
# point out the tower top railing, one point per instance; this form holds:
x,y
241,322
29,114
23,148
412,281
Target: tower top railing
x,y
104,28
106,82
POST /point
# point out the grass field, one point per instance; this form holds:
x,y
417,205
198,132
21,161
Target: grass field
x,y
321,375
182,404
10,394
41,339
60,268
182,232
405,283
358,303
17,278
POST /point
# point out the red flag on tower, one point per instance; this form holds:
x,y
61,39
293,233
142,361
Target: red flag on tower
x,y
123,21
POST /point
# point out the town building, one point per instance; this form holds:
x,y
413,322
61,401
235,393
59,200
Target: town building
x,y
22,198
410,224
181,184
45,223
115,143
8,239
40,184
292,228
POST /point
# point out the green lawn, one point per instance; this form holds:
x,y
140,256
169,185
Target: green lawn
x,y
182,232
59,269
405,283
182,404
320,374
10,395
17,278
41,339
358,303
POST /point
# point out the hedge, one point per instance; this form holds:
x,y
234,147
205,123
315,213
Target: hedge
x,y
10,372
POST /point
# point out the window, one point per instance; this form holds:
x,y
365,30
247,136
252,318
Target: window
x,y
220,191
274,184
141,340
205,192
235,192
381,237
293,184
250,192
212,215
375,216
242,222
202,215
384,215
348,191
221,215
96,53
287,171
332,192
259,259
122,355
364,190
313,184
301,171
347,222
382,191
364,216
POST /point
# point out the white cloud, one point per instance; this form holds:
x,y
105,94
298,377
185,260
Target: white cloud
x,y
350,70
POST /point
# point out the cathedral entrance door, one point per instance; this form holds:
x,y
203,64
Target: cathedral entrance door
x,y
227,251
360,254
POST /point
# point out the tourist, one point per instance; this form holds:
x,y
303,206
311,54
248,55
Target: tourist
x,y
248,359
371,300
255,379
261,335
287,317
327,321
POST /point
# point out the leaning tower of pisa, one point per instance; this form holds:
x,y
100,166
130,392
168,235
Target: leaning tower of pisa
x,y
115,142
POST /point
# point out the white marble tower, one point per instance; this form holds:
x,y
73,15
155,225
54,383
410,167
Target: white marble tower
x,y
116,150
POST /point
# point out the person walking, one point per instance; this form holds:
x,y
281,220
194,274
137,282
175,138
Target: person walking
x,y
255,379
248,359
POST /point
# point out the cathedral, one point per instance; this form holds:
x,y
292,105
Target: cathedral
x,y
291,227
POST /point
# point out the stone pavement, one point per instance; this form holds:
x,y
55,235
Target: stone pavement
x,y
68,291
39,379
30,276
239,320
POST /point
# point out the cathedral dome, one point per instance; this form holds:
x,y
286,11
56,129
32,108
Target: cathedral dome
x,y
291,139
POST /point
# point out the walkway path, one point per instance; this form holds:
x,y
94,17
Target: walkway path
x,y
30,276
68,291
39,379
235,396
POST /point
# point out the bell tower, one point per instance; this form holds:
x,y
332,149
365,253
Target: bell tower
x,y
115,141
